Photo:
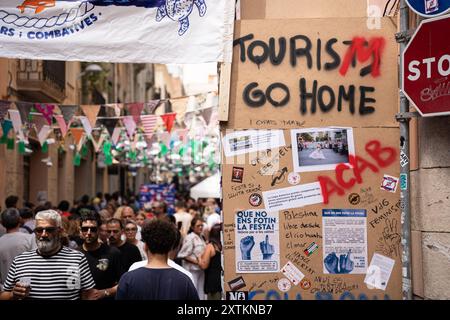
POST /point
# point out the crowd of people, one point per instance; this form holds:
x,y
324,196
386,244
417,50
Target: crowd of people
x,y
109,247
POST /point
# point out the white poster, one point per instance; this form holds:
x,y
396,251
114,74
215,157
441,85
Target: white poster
x,y
293,197
344,241
379,271
319,149
242,142
257,241
153,31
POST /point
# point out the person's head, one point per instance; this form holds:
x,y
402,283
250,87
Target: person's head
x,y
84,200
193,210
26,213
114,228
28,204
105,215
11,218
111,209
180,206
64,206
128,213
99,195
107,197
48,205
118,212
190,201
103,233
11,201
89,225
130,230
196,225
140,218
214,235
48,231
159,236
159,208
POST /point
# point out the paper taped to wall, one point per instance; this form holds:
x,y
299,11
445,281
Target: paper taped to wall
x,y
293,197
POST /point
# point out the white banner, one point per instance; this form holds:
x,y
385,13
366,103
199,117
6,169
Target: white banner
x,y
152,31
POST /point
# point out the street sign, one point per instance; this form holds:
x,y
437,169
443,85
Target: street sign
x,y
426,67
429,8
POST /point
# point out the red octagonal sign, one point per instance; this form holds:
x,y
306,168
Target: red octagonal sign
x,y
426,67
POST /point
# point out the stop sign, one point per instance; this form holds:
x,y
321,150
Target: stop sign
x,y
426,67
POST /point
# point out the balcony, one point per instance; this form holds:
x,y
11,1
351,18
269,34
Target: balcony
x,y
43,81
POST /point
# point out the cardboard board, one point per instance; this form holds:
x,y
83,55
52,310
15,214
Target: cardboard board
x,y
331,180
277,94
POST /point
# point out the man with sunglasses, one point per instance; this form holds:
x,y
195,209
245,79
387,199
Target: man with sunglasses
x,y
104,261
129,252
52,271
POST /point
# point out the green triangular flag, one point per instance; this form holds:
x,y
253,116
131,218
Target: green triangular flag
x,y
108,160
204,145
10,144
44,148
84,150
22,147
182,151
77,160
132,155
163,151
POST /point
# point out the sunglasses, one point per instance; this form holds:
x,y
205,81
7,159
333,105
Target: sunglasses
x,y
86,229
130,229
40,230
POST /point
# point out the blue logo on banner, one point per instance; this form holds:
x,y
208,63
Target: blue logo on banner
x,y
429,8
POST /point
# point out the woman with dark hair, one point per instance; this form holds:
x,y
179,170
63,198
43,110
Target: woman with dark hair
x,y
212,264
191,252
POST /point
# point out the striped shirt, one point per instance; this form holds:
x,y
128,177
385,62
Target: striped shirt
x,y
62,276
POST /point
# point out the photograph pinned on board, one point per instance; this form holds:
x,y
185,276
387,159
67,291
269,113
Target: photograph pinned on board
x,y
237,175
320,149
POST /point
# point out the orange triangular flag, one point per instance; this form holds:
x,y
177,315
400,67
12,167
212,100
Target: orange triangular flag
x,y
77,133
168,120
91,112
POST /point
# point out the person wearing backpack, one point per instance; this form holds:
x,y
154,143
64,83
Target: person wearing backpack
x,y
28,222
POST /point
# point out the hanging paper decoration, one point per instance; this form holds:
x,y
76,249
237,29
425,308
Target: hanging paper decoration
x,y
21,147
77,133
43,134
206,114
135,110
189,118
165,138
130,125
168,120
86,125
151,106
62,124
107,153
91,112
68,112
182,135
116,135
77,160
4,106
109,124
163,151
14,115
46,110
44,148
25,109
84,150
6,127
149,123
10,144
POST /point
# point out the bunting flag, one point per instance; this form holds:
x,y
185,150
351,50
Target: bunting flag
x,y
149,123
206,114
116,134
6,127
62,124
111,110
182,134
43,134
4,106
109,124
81,143
97,143
77,133
68,112
39,121
130,125
86,125
151,106
165,138
46,110
189,118
135,109
14,115
91,112
168,120
24,110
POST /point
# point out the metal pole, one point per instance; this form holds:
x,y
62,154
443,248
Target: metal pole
x,y
404,170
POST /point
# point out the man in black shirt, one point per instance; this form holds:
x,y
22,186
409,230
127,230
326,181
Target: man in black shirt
x,y
104,261
129,252
157,280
